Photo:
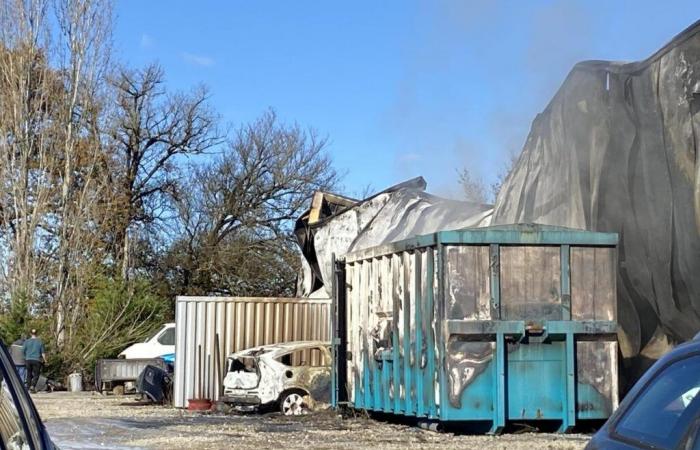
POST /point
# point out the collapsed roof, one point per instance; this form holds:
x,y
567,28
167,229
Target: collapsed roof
x,y
338,225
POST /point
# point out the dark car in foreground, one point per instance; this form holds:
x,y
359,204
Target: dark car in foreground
x,y
661,411
20,425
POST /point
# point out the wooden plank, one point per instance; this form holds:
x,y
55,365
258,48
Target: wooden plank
x,y
530,283
467,284
593,283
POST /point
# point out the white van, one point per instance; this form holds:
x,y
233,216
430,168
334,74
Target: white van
x,y
161,343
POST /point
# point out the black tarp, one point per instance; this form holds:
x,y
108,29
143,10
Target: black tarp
x,y
616,149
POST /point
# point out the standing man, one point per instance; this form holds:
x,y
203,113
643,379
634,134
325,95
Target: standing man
x,y
34,357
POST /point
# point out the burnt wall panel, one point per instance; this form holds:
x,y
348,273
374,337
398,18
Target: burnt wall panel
x,y
592,283
530,283
353,304
597,369
467,291
466,360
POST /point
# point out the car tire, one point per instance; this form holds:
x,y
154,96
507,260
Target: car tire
x,y
292,403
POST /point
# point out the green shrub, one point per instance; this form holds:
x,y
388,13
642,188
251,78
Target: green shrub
x,y
116,315
15,322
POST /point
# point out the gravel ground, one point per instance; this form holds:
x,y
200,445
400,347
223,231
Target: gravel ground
x,y
90,421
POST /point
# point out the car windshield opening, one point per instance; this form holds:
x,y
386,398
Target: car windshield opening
x,y
243,364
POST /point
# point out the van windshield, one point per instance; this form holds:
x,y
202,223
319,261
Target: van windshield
x,y
155,333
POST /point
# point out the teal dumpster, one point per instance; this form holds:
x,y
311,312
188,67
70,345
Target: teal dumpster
x,y
492,325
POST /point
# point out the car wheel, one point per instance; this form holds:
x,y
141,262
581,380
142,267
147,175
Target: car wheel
x,y
292,404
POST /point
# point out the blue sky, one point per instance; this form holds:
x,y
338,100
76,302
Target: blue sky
x,y
401,88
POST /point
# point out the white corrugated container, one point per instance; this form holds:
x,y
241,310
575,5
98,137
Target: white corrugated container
x,y
239,323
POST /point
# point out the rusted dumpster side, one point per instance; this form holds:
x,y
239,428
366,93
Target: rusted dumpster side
x,y
208,329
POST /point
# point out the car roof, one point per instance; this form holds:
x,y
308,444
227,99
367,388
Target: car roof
x,y
283,347
686,347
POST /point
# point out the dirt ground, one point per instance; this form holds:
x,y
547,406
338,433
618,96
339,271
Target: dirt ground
x,y
90,421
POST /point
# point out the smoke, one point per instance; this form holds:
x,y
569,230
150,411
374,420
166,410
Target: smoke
x,y
562,34
473,79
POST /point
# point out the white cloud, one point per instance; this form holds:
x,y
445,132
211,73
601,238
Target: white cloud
x,y
146,41
197,60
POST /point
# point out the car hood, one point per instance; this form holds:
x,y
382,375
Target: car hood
x,y
142,350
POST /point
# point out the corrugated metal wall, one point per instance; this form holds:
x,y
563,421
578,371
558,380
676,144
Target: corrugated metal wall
x,y
239,323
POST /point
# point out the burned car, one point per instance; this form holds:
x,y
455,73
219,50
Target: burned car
x,y
290,376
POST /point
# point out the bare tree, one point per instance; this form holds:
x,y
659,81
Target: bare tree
x,y
506,169
473,187
91,165
151,130
28,89
237,212
84,49
51,82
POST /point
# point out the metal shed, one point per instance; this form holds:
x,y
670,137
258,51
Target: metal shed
x,y
208,329
495,324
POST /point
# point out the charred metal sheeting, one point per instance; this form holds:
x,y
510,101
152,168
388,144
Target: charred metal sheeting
x,y
396,213
208,329
507,323
617,149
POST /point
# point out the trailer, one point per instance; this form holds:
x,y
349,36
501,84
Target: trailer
x,y
119,375
481,326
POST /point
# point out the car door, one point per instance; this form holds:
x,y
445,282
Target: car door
x,y
319,363
20,424
308,368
